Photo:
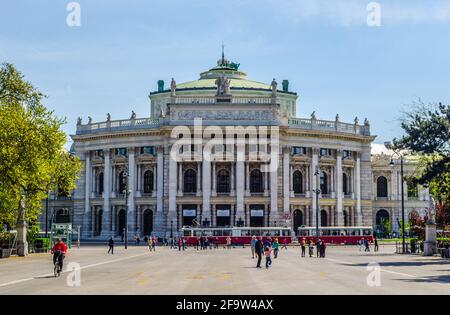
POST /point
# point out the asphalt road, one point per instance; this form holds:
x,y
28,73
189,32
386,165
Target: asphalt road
x,y
222,271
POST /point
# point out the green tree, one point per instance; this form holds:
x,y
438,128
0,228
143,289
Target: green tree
x,y
427,133
32,156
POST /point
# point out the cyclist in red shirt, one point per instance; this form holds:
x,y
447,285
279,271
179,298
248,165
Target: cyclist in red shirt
x,y
59,252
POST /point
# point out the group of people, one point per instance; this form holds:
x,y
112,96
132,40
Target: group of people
x,y
150,241
266,247
320,246
364,244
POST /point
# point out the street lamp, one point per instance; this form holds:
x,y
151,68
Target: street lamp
x,y
317,192
392,164
125,175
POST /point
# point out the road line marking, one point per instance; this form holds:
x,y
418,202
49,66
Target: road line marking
x,y
66,271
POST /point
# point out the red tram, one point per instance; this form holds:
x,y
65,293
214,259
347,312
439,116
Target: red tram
x,y
349,235
238,235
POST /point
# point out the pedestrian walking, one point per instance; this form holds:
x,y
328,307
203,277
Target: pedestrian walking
x,y
303,246
145,239
284,244
323,248
184,243
267,253
318,245
375,248
275,247
154,243
150,243
311,248
252,246
258,251
229,242
367,245
180,244
111,246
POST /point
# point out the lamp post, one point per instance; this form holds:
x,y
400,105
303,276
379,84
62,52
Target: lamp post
x,y
392,164
125,175
317,192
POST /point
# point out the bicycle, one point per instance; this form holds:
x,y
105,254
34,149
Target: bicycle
x,y
57,267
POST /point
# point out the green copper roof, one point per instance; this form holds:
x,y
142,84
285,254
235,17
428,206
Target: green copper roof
x,y
234,83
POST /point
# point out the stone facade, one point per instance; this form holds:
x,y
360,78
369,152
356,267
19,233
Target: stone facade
x,y
129,174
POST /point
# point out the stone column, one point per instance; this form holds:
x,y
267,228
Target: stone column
x,y
239,188
358,189
131,189
159,179
274,188
155,179
87,204
291,181
106,217
247,179
199,179
314,167
339,189
307,179
233,186
286,180
214,180
180,179
172,185
206,173
394,186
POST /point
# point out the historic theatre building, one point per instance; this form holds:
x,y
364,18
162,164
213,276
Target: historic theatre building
x,y
130,175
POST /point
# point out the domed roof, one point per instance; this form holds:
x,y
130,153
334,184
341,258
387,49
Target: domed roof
x,y
238,79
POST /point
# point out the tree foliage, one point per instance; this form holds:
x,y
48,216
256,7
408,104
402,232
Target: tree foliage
x,y
32,156
427,133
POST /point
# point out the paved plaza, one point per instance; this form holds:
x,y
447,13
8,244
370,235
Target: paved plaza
x,y
222,271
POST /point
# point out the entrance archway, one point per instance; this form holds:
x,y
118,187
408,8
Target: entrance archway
x,y
148,222
382,222
121,221
298,220
323,218
256,216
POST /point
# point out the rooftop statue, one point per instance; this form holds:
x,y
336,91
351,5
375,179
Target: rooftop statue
x,y
108,117
79,121
133,115
274,85
223,85
89,120
173,87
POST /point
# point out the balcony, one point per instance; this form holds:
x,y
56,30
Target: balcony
x,y
325,125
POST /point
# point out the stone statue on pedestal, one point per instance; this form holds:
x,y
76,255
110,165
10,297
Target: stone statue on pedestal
x,y
430,244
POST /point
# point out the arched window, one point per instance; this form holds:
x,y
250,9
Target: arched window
x,y
122,182
190,181
100,183
148,181
412,190
121,218
297,182
382,222
345,184
223,181
256,181
382,187
323,218
298,220
324,183
62,216
148,222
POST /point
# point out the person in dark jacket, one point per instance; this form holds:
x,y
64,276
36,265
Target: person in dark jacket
x,y
111,246
258,251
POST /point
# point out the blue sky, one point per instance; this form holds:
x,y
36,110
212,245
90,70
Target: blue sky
x,y
332,58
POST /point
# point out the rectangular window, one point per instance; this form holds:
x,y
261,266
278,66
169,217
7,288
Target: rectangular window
x,y
298,151
121,151
346,154
147,150
325,152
